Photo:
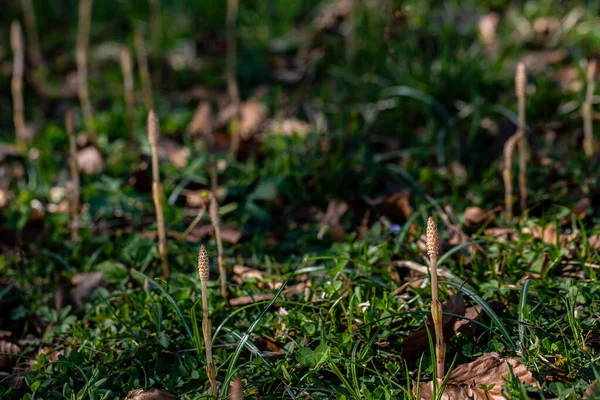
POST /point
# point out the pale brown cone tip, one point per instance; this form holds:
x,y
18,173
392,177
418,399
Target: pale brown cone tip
x,y
153,128
203,269
432,238
16,38
520,80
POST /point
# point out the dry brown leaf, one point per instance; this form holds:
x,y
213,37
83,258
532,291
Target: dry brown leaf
x,y
546,27
288,127
4,196
418,341
489,370
331,14
83,285
158,394
592,391
486,28
252,115
548,234
467,327
236,389
501,234
5,359
241,273
331,220
228,234
476,215
245,300
203,121
89,160
178,155
538,61
396,206
579,210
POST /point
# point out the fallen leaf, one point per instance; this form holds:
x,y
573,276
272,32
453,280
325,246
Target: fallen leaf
x,y
545,28
592,391
245,300
252,115
4,196
203,121
158,394
489,370
467,327
228,234
236,389
241,273
475,215
10,348
83,285
89,160
396,206
418,341
178,155
579,210
330,220
538,61
288,127
332,13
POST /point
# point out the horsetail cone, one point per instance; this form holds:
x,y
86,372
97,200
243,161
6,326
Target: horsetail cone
x,y
432,238
203,270
520,80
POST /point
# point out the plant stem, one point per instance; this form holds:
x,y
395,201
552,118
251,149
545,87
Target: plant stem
x,y
16,84
74,176
83,37
588,139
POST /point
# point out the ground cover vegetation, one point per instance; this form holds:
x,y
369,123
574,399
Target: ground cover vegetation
x,y
299,199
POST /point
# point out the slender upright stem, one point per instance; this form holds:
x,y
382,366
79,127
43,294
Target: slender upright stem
x,y
83,38
436,306
127,68
588,138
16,84
213,209
74,176
520,82
32,34
142,59
232,86
157,194
203,273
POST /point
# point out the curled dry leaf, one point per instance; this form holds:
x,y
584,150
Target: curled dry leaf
x,y
89,160
476,215
489,370
592,392
158,394
83,285
252,115
236,389
202,122
331,220
418,341
395,206
10,348
229,234
245,300
177,155
288,127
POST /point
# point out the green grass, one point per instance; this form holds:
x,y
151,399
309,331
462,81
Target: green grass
x,y
407,94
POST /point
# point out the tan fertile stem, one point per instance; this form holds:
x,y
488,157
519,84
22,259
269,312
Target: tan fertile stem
x,y
518,139
32,34
232,86
203,273
520,83
157,195
588,138
83,38
74,176
142,59
127,68
436,306
16,84
213,210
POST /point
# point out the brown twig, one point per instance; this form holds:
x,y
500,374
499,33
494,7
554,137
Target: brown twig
x,y
32,34
232,86
16,84
74,176
142,59
83,38
213,210
203,273
436,306
157,194
127,68
588,138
